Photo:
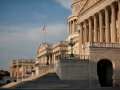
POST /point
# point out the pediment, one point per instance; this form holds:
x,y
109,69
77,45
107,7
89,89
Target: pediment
x,y
40,48
81,4
87,5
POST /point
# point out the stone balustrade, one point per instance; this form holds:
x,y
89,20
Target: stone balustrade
x,y
101,44
60,43
68,56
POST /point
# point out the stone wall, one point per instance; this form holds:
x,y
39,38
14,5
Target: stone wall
x,y
97,54
74,70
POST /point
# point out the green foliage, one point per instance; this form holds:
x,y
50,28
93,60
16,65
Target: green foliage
x,y
7,73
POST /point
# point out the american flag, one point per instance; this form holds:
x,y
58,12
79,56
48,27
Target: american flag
x,y
44,28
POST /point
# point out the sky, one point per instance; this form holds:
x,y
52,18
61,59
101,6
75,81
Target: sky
x,y
21,27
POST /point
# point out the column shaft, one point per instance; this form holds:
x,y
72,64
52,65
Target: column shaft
x,y
73,26
68,28
85,33
119,19
101,26
23,70
11,71
107,25
81,38
90,30
14,71
114,35
18,71
95,29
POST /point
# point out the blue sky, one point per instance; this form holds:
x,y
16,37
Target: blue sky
x,y
21,23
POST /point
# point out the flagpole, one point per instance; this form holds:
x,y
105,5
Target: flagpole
x,y
44,28
45,35
45,32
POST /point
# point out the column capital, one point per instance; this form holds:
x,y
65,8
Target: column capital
x,y
107,7
113,4
96,14
90,18
86,20
101,11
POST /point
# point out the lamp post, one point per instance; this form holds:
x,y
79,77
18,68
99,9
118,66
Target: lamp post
x,y
71,43
47,55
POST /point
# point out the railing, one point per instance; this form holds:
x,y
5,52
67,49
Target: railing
x,y
101,44
60,43
68,56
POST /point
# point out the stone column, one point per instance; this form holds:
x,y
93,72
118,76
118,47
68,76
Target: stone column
x,y
114,35
85,34
107,25
95,28
11,71
14,71
23,70
70,27
55,59
52,58
41,61
90,30
81,38
119,19
18,71
73,26
101,26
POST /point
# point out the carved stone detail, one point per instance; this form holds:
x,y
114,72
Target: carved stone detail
x,y
88,4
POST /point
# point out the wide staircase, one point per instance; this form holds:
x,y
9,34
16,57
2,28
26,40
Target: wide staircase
x,y
50,80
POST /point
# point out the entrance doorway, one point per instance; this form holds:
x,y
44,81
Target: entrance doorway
x,y
105,72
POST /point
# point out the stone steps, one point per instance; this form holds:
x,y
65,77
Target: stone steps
x,y
50,80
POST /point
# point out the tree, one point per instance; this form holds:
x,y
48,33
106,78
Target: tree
x,y
7,73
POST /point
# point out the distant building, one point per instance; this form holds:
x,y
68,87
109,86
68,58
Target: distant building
x,y
22,68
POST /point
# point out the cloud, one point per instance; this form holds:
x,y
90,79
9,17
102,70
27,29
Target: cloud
x,y
65,3
38,15
18,42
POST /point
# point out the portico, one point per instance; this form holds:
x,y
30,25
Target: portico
x,y
102,23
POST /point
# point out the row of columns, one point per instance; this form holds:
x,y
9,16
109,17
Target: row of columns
x,y
14,71
51,58
72,27
97,33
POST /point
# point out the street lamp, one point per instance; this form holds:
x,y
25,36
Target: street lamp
x,y
47,55
71,43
